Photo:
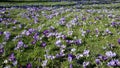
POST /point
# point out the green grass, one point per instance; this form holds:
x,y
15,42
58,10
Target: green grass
x,y
35,52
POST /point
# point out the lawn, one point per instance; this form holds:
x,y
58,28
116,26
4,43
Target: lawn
x,y
78,36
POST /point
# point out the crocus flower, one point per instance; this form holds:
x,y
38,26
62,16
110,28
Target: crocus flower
x,y
44,63
58,43
70,57
85,64
12,57
7,35
20,44
27,33
45,32
114,63
87,31
14,62
97,61
1,32
1,50
36,36
79,56
29,65
86,53
119,41
113,24
84,18
101,57
108,31
78,42
33,42
110,54
43,44
71,66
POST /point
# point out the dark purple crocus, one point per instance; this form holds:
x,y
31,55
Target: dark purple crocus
x,y
119,41
43,44
45,32
29,65
1,32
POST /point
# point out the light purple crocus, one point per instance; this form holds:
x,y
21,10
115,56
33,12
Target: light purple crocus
x,y
110,54
7,35
71,66
85,64
20,44
86,53
12,57
114,63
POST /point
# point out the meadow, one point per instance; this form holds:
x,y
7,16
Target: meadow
x,y
68,36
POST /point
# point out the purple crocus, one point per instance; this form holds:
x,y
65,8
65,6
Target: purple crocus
x,y
29,65
1,32
12,57
70,57
110,54
33,42
83,18
45,32
97,61
78,42
58,43
7,35
27,33
85,64
20,44
119,41
113,24
86,53
87,31
1,50
71,66
36,36
101,57
43,44
114,63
